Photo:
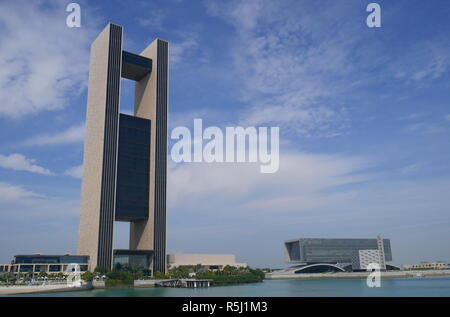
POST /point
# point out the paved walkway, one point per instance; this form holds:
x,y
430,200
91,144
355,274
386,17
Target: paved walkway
x,y
15,290
285,275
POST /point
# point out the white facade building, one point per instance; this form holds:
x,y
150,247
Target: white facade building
x,y
211,261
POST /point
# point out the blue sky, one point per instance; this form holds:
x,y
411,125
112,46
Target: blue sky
x,y
364,119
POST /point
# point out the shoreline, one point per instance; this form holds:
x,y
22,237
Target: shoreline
x,y
356,275
25,289
19,290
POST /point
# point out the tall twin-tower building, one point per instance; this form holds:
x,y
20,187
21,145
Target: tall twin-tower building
x,y
125,156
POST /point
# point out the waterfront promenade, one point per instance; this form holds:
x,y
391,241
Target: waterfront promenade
x,y
26,289
288,275
390,287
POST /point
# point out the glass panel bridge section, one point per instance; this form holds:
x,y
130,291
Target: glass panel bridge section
x,y
133,169
135,67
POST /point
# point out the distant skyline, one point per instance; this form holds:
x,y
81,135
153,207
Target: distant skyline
x,y
364,120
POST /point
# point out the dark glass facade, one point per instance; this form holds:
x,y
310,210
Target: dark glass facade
x,y
37,263
46,259
135,67
26,268
132,259
131,151
133,168
331,250
54,268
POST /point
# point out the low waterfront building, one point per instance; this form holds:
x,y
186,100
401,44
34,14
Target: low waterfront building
x,y
427,266
40,263
316,255
210,261
5,267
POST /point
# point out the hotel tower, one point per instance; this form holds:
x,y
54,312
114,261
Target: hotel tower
x,y
125,156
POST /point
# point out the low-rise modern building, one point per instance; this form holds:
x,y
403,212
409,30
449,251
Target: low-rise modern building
x,y
427,266
363,258
40,263
320,255
5,268
210,261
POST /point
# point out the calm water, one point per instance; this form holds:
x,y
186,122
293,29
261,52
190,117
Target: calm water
x,y
431,286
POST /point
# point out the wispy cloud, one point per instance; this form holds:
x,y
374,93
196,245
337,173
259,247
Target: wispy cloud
x,y
181,50
424,61
425,128
299,63
411,168
75,172
413,116
47,63
304,181
311,195
291,67
16,202
19,162
154,18
10,192
74,134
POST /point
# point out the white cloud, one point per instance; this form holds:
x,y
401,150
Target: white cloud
x,y
154,18
43,62
183,44
411,168
303,181
299,63
412,116
290,65
311,195
74,134
33,222
17,202
10,192
424,61
19,162
75,172
425,128
182,49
